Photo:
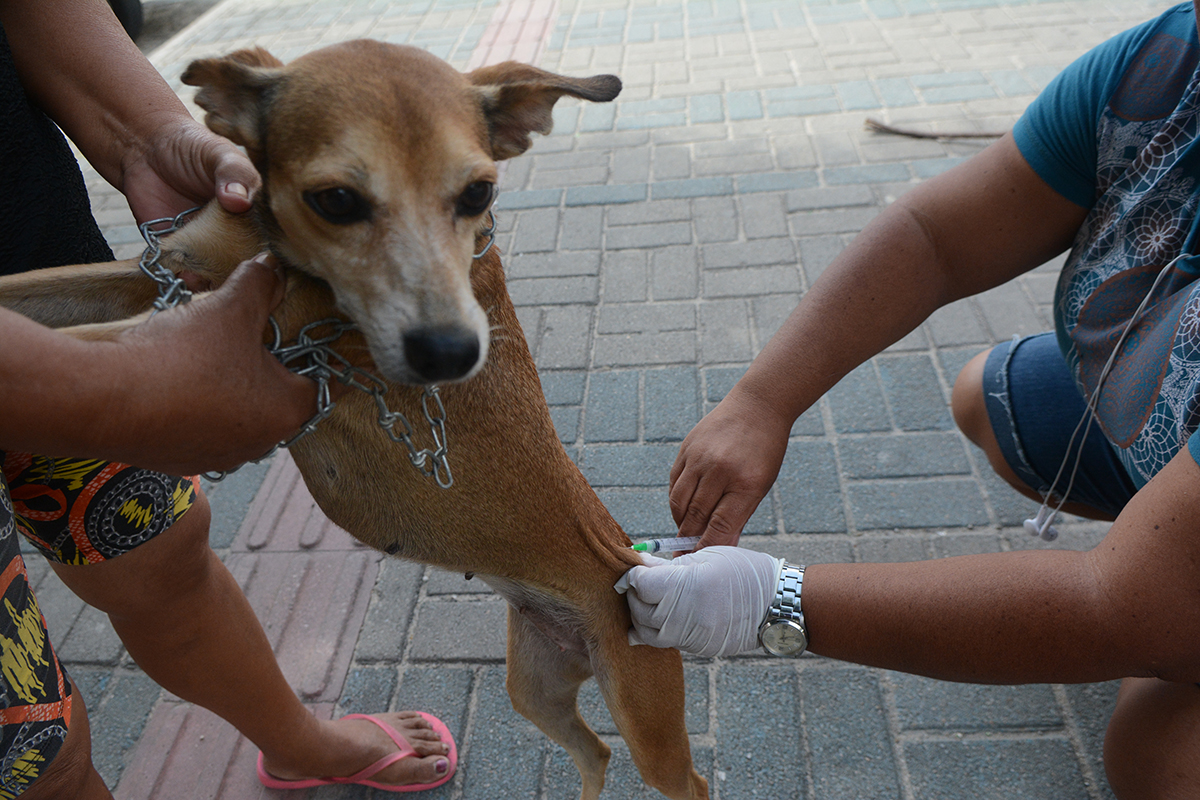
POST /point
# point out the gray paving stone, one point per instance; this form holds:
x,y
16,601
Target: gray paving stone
x,y
809,490
715,219
554,265
1092,705
725,331
653,235
91,640
642,513
818,252
448,630
911,386
778,181
847,732
857,402
642,317
771,312
604,195
626,276
564,341
671,403
946,544
368,689
719,380
566,422
916,504
956,324
582,228
1021,769
830,197
385,628
763,216
612,407
692,187
740,282
118,723
537,231
671,163
851,220
674,273
549,291
563,387
229,499
648,212
618,465
758,741
891,456
444,691
636,349
892,549
925,704
506,749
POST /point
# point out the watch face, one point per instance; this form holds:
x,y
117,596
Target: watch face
x,y
784,638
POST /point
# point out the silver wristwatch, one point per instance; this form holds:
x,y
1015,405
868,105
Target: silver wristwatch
x,y
782,632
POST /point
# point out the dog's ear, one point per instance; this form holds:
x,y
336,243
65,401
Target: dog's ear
x,y
232,92
517,100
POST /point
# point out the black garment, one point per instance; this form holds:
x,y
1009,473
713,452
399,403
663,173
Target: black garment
x,y
45,215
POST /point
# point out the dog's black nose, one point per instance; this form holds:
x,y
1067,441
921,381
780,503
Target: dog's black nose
x,y
441,353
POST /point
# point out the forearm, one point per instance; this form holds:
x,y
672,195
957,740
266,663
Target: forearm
x,y
78,65
56,395
1126,608
1025,617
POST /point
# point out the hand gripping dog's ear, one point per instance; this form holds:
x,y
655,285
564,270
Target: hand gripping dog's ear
x,y
232,91
517,100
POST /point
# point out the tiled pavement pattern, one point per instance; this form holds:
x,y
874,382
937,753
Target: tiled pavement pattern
x,y
653,246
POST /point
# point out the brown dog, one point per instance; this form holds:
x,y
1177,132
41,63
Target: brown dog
x,y
378,164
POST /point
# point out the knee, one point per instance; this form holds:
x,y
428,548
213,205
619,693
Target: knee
x,y
1152,746
967,402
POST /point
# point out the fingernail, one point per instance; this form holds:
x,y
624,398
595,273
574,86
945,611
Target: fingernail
x,y
237,188
262,258
442,765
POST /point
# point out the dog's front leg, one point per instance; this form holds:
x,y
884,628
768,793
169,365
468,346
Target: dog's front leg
x,y
543,683
79,294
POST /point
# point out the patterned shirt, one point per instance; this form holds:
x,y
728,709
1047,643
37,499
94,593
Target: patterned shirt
x,y
1118,132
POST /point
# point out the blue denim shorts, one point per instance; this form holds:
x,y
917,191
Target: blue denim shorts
x,y
1034,407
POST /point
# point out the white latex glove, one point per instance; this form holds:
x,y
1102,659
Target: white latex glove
x,y
708,603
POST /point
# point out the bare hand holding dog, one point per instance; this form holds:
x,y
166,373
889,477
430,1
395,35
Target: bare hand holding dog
x,y
191,389
725,467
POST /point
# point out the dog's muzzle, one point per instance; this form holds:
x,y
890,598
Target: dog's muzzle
x,y
441,353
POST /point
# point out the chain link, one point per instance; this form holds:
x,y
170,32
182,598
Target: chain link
x,y
172,291
311,356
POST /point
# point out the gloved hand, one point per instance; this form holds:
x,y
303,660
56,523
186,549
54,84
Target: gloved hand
x,y
708,603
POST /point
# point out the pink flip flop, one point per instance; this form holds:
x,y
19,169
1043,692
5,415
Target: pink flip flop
x,y
364,776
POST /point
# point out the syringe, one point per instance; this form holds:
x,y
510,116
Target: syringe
x,y
685,544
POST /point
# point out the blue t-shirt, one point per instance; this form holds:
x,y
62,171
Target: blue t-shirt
x,y
1118,133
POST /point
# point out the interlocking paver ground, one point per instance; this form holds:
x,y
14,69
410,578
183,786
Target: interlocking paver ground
x,y
653,245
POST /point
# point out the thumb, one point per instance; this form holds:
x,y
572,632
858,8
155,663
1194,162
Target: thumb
x,y
235,177
257,286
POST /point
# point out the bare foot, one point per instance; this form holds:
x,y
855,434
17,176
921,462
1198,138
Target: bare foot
x,y
352,745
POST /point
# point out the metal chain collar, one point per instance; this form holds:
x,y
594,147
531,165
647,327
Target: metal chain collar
x,y
312,357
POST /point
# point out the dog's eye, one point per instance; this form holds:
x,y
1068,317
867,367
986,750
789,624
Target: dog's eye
x,y
476,198
338,205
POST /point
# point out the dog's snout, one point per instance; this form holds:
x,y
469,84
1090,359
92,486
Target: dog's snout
x,y
442,353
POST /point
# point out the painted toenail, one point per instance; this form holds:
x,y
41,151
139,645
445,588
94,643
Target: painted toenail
x,y
442,765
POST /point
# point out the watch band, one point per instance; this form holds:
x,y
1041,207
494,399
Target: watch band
x,y
787,594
